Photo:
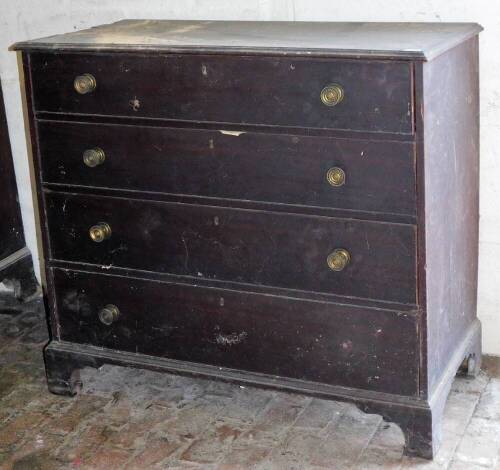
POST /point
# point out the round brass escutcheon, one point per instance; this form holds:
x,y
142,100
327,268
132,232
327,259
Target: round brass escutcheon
x,y
85,83
100,232
335,176
109,314
332,94
93,157
338,259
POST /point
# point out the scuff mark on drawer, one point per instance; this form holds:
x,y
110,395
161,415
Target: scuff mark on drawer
x,y
231,339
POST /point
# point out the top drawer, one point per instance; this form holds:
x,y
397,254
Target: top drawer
x,y
376,95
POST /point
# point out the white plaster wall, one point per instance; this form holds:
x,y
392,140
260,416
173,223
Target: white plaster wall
x,y
28,19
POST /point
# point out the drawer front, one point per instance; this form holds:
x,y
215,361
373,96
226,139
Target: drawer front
x,y
315,341
256,247
287,169
276,91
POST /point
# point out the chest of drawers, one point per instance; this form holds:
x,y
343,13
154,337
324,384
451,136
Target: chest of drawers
x,y
286,205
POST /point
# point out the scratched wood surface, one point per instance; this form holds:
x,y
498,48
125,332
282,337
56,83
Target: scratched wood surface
x,y
256,247
255,166
229,89
272,335
353,39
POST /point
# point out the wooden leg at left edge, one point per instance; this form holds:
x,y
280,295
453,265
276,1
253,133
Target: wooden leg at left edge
x,y
62,371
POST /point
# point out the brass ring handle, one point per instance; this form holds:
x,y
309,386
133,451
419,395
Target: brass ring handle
x,y
109,314
100,232
335,176
85,83
338,259
94,157
332,94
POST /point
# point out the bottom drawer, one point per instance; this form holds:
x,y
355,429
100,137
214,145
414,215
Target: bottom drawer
x,y
310,340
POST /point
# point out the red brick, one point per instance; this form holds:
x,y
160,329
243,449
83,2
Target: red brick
x,y
36,448
154,452
109,459
40,460
346,440
271,425
15,429
296,450
129,435
37,441
82,445
319,413
20,398
244,457
246,404
10,380
119,413
211,446
84,407
190,421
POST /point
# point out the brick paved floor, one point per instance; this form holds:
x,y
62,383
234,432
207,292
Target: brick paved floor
x,y
126,418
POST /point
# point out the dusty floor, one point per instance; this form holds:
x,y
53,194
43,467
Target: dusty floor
x,y
126,418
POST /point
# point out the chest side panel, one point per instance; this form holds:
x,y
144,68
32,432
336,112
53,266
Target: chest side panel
x,y
451,145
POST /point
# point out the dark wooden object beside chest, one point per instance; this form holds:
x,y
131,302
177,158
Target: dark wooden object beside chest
x,y
16,265
288,205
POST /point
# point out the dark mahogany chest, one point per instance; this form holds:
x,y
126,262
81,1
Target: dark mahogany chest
x,y
288,205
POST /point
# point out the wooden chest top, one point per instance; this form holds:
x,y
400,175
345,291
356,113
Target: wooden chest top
x,y
360,40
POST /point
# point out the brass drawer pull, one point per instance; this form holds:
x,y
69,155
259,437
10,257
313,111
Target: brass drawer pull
x,y
109,314
338,259
332,94
335,176
94,157
85,83
100,232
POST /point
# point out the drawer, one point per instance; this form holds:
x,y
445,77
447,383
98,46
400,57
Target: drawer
x,y
275,91
342,345
378,176
247,246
